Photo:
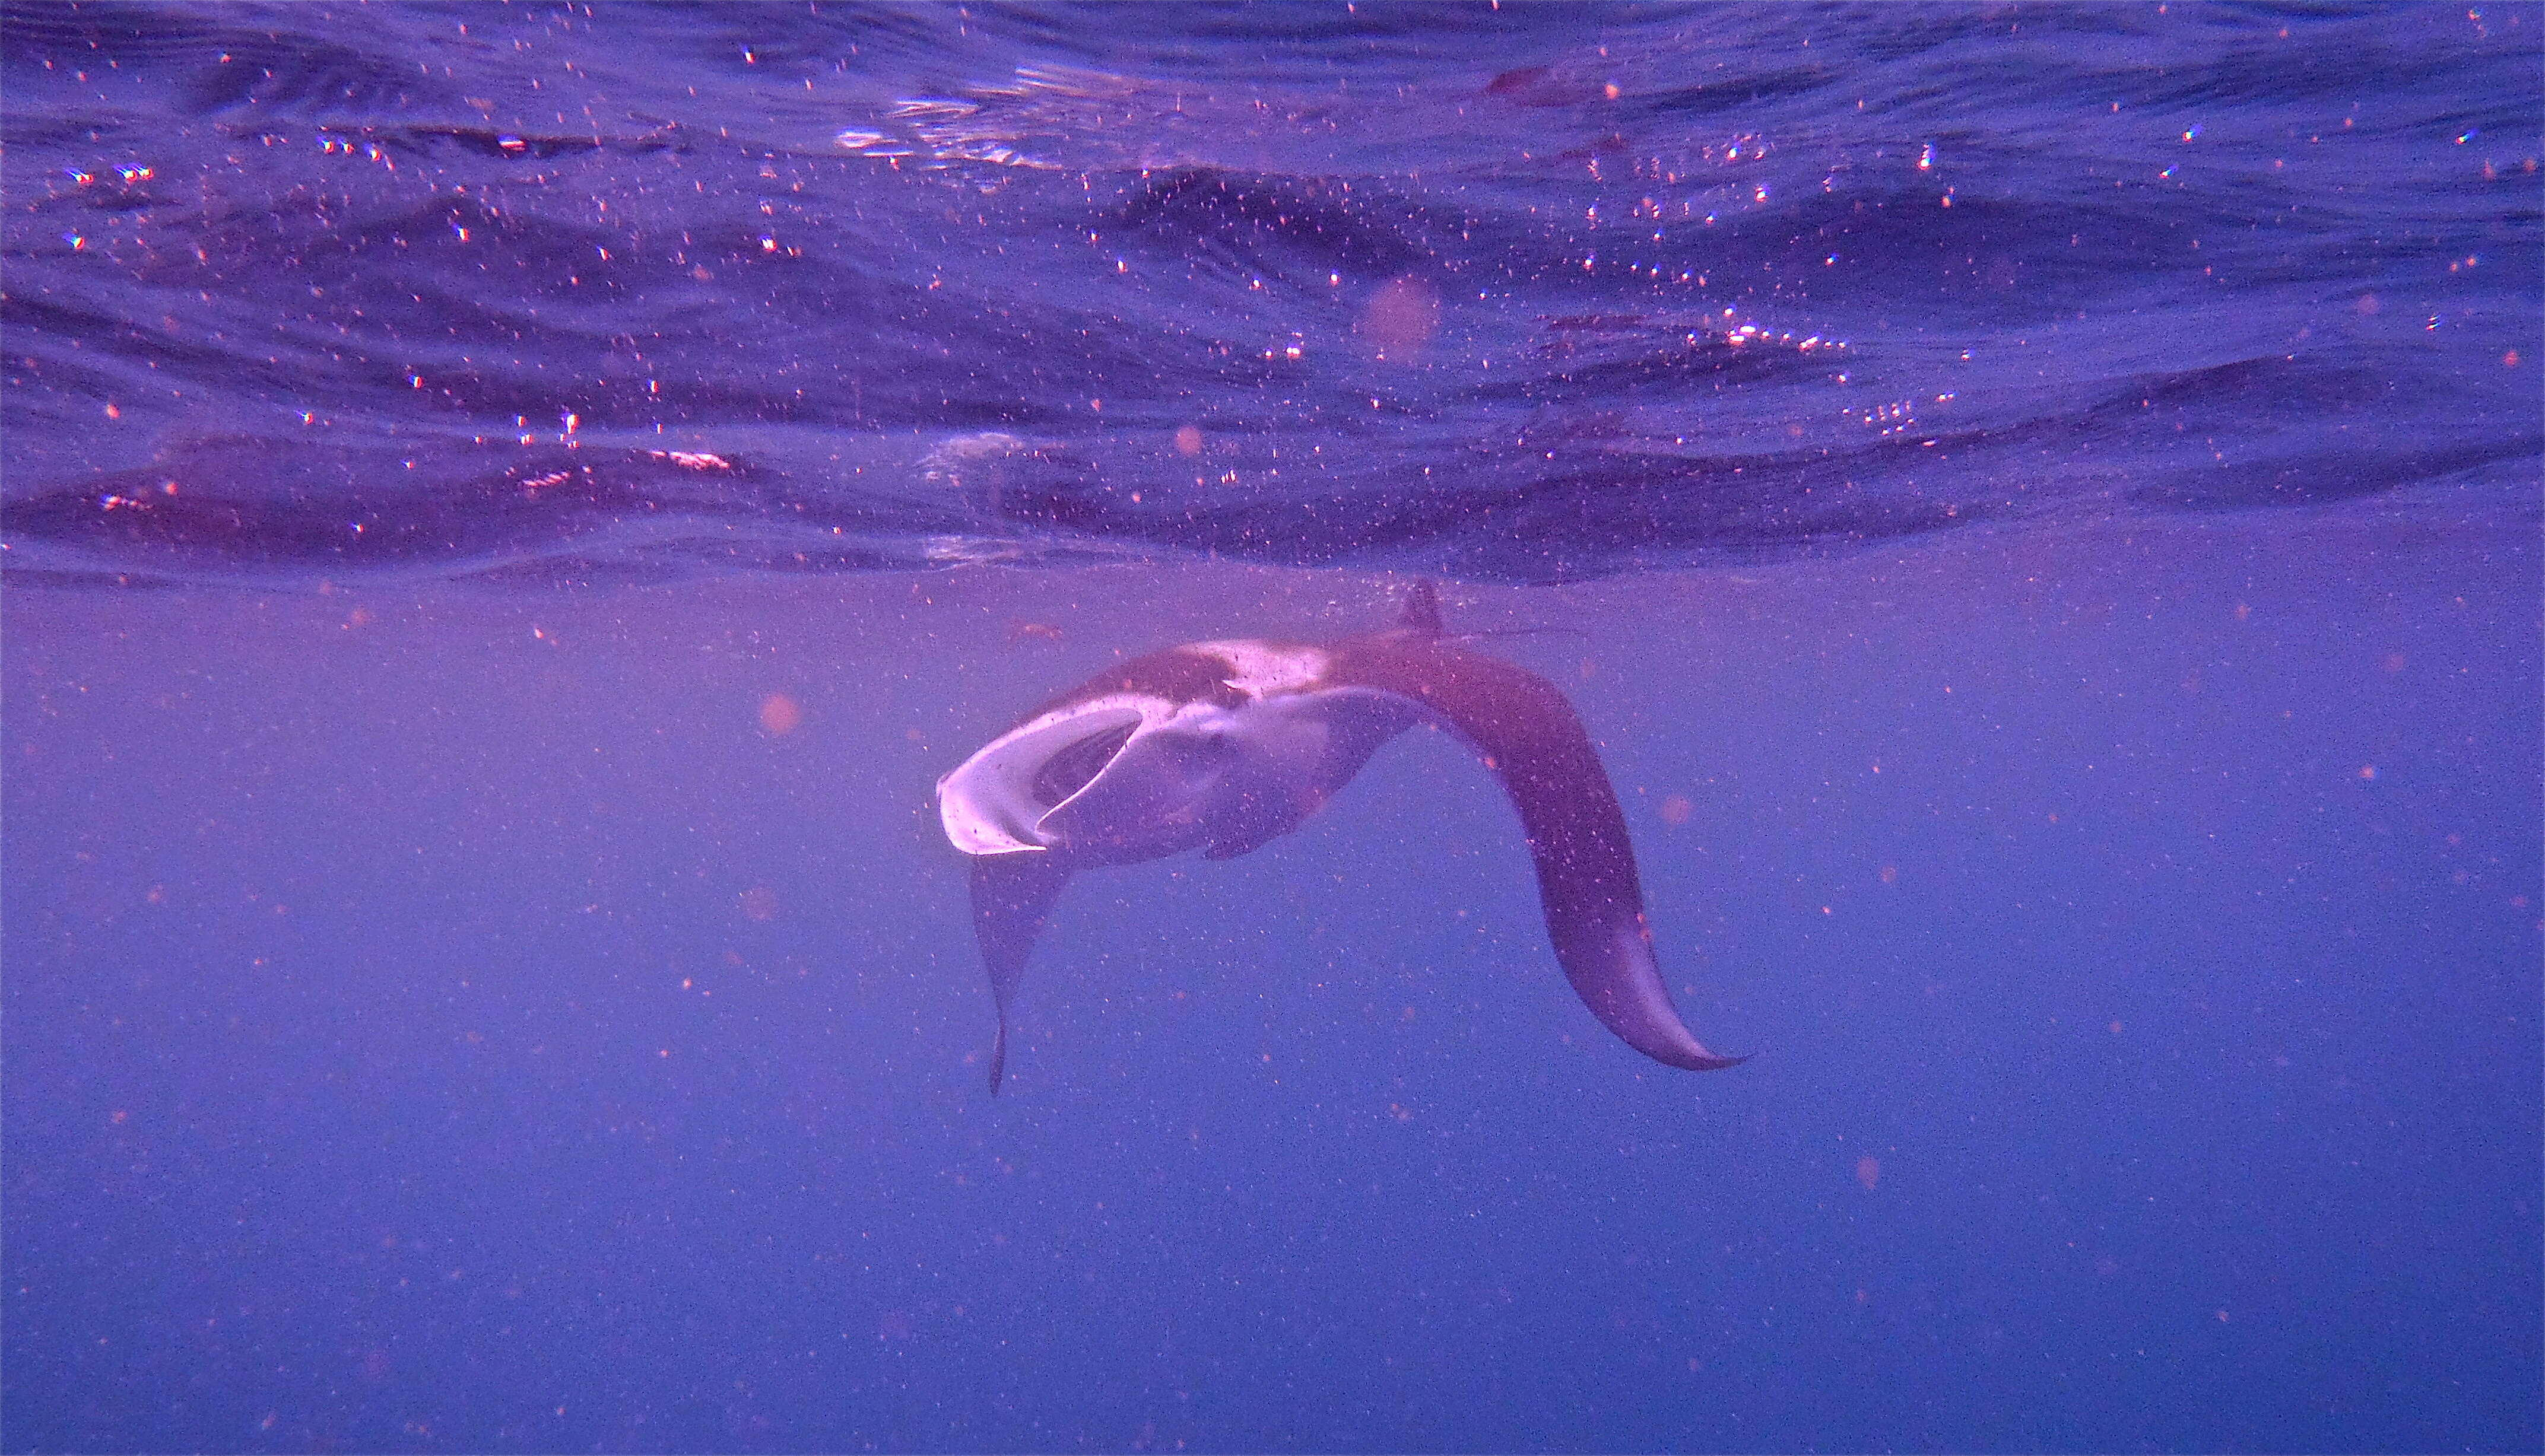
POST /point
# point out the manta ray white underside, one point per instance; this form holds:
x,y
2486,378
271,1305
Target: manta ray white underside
x,y
1224,746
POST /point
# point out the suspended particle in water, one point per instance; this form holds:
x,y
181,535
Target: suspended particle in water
x,y
1400,318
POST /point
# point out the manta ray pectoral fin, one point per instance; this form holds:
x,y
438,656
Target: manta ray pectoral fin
x,y
1528,734
1011,895
1622,985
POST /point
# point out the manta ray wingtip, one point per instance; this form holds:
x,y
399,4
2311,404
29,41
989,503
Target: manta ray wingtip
x,y
1683,1052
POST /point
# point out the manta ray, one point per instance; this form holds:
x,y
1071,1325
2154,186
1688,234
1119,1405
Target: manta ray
x,y
1225,746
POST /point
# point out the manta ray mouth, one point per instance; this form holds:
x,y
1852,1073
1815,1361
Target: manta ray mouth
x,y
994,803
1073,767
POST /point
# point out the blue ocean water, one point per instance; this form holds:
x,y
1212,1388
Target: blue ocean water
x,y
508,512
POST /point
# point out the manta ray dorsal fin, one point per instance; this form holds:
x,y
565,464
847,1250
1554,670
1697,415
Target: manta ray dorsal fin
x,y
1422,614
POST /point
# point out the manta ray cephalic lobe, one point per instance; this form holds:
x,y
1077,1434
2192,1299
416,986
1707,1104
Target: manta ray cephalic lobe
x,y
1225,746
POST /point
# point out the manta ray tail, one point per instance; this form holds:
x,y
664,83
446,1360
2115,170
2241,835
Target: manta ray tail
x,y
1012,894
